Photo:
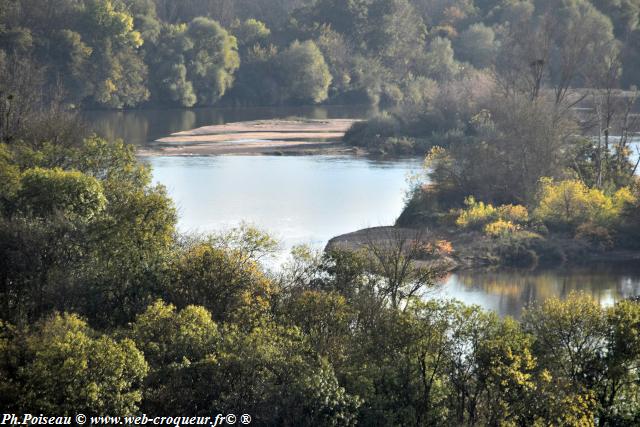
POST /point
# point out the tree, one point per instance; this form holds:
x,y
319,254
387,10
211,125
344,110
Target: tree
x,y
477,45
168,70
407,264
192,63
555,44
325,317
250,32
579,344
439,62
303,73
118,73
337,52
212,60
9,178
396,35
45,192
618,396
98,237
222,273
625,15
68,368
279,381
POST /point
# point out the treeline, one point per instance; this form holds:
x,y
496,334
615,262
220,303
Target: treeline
x,y
106,309
128,53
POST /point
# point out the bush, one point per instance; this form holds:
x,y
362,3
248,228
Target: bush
x,y
514,213
494,220
476,215
566,205
500,228
517,249
372,132
595,234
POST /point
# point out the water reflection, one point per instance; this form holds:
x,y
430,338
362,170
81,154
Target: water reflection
x,y
142,126
298,199
508,292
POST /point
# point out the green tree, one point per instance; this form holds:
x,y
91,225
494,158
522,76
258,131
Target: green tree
x,y
270,373
477,45
75,195
223,274
168,71
212,60
167,336
250,32
439,61
9,178
303,73
118,73
591,353
68,369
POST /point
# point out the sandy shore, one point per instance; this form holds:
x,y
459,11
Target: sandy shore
x,y
258,137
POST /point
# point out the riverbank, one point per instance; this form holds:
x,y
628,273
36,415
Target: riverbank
x,y
278,136
471,250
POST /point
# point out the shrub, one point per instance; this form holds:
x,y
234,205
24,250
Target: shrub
x,y
566,205
372,132
476,215
595,234
623,199
517,249
517,214
399,145
500,228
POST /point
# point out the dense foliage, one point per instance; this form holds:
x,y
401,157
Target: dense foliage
x,y
106,310
127,53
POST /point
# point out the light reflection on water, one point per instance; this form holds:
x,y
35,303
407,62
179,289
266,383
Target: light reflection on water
x,y
297,199
509,291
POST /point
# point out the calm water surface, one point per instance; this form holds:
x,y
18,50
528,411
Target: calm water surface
x,y
311,199
508,292
298,199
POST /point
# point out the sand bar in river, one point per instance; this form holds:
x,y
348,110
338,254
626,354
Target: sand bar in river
x,y
256,137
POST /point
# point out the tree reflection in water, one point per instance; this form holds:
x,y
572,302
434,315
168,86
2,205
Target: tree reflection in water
x,y
509,291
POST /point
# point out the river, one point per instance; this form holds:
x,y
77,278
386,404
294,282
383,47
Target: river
x,y
309,199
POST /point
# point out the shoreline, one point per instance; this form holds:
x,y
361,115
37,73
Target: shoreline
x,y
470,253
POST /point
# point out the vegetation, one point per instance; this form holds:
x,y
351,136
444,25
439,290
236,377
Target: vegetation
x,y
106,309
568,219
537,137
397,53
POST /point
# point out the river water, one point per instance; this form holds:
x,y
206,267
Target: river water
x,y
309,199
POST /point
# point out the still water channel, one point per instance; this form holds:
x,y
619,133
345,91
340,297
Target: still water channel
x,y
309,199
